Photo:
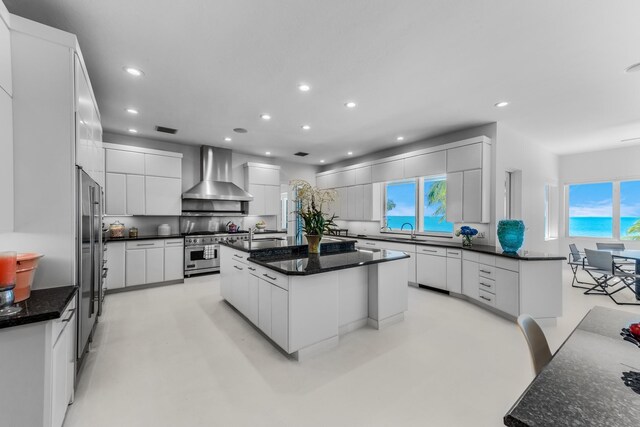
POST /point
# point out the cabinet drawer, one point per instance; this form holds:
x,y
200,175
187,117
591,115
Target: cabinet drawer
x,y
174,242
280,280
486,271
470,256
239,256
431,250
487,285
64,319
454,253
487,259
508,264
486,298
145,244
370,244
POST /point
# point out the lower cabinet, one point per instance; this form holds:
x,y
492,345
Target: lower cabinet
x,y
115,256
264,305
454,271
253,306
280,316
63,365
145,261
484,280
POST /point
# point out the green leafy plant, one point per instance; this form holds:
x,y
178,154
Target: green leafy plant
x,y
390,205
437,195
310,203
633,232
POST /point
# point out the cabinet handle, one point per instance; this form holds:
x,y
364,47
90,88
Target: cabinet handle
x,y
145,244
369,243
485,271
238,256
429,250
453,253
485,298
68,319
235,266
269,277
485,285
252,269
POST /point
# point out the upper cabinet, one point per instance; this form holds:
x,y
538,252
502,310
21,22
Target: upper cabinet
x,y
468,183
363,175
388,171
141,181
262,181
426,164
464,158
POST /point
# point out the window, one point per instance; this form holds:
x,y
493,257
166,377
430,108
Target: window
x,y
435,202
400,205
591,210
550,212
403,208
630,210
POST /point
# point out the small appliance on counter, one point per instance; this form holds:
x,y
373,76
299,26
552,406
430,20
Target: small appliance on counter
x,y
116,230
231,227
164,230
133,232
8,262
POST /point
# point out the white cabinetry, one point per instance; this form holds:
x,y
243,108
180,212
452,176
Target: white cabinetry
x,y
387,171
454,270
63,366
115,257
468,183
262,181
153,261
357,202
363,175
409,249
5,58
426,164
142,182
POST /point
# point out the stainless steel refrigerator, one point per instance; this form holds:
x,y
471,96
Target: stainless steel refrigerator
x,y
89,255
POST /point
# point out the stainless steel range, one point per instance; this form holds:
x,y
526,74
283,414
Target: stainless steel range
x,y
202,251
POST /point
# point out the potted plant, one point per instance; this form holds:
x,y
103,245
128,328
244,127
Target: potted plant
x,y
310,202
467,234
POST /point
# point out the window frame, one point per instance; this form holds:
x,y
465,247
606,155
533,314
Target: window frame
x,y
615,208
419,202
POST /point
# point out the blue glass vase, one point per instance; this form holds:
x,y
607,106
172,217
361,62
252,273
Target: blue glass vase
x,y
510,234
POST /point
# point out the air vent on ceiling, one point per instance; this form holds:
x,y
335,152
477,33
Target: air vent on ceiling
x,y
301,154
166,130
240,130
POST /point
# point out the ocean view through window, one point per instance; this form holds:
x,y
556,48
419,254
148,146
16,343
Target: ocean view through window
x,y
425,216
591,210
630,210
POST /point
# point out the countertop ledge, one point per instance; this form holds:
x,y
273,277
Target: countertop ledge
x,y
315,264
42,305
485,249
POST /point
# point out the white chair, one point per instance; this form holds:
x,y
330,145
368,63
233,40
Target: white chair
x,y
538,346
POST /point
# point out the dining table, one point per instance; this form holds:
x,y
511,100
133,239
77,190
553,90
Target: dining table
x,y
592,380
631,254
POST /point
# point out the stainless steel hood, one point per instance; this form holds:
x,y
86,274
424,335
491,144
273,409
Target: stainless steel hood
x,y
215,194
215,178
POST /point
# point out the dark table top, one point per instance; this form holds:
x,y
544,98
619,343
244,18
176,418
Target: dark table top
x,y
315,264
583,385
43,304
627,253
486,249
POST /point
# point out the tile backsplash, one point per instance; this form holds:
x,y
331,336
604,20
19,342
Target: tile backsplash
x,y
148,225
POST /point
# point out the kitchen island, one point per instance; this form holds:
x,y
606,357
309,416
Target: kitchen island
x,y
304,302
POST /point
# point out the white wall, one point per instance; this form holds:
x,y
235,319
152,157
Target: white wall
x,y
606,165
514,151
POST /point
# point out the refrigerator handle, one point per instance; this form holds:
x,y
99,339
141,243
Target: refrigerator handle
x,y
92,251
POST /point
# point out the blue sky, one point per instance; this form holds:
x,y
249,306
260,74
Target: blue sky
x,y
595,200
403,194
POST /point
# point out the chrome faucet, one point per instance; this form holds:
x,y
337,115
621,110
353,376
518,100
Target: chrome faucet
x,y
413,231
250,236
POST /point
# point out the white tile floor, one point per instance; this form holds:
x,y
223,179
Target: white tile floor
x,y
180,356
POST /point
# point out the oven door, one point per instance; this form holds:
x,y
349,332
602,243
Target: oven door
x,y
197,260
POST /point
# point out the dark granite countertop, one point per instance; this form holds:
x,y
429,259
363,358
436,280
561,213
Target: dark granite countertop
x,y
43,304
583,384
485,249
285,245
145,237
315,264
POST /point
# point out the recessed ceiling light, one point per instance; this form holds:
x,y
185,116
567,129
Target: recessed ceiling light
x,y
400,138
321,161
501,104
305,127
350,153
132,130
268,153
633,69
134,71
227,139
132,111
350,104
265,117
304,87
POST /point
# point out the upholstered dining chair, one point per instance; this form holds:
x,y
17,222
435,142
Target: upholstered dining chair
x,y
538,346
609,278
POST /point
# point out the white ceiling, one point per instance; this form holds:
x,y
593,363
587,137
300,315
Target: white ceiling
x,y
416,68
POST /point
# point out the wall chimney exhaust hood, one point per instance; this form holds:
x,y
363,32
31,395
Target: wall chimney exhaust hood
x,y
215,194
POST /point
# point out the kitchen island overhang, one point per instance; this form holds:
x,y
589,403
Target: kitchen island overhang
x,y
304,303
